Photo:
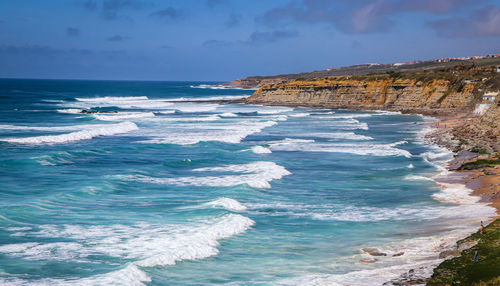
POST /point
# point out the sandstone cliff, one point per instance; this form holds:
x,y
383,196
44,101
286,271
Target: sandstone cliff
x,y
438,95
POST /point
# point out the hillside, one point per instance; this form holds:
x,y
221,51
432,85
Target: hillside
x,y
365,69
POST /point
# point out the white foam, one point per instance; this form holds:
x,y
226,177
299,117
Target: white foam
x,y
338,135
410,166
385,112
256,175
112,98
209,98
417,178
368,277
165,112
228,114
195,107
273,110
290,141
153,245
70,110
98,130
372,149
49,251
261,150
128,102
419,253
438,158
146,245
18,228
333,212
228,204
130,275
347,116
218,86
48,128
212,117
455,194
185,134
279,117
299,114
123,116
344,124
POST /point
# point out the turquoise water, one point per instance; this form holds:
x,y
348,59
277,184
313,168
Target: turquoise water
x,y
165,192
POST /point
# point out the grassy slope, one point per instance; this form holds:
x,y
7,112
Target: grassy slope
x,y
366,69
463,271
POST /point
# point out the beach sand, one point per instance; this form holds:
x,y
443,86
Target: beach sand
x,y
486,184
484,181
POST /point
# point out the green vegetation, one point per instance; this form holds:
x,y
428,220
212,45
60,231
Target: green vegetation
x,y
398,71
479,150
480,163
464,271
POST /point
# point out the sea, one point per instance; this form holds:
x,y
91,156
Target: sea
x,y
150,187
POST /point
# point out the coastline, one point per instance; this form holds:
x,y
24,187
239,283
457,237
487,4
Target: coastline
x,y
482,186
483,183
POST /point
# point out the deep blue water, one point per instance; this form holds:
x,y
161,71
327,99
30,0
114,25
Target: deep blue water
x,y
173,193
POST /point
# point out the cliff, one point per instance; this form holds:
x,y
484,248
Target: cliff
x,y
254,82
378,93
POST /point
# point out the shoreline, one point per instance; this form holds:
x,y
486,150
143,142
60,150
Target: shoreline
x,y
483,183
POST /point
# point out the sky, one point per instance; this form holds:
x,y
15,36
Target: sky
x,y
222,40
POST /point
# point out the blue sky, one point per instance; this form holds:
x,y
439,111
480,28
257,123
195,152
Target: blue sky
x,y
224,40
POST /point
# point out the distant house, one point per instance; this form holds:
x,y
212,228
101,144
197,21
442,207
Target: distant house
x,y
490,97
498,69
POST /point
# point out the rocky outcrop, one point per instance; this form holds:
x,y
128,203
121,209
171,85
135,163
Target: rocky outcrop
x,y
387,93
491,118
254,82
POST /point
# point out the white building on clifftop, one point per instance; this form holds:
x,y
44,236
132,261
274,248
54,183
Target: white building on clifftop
x,y
487,100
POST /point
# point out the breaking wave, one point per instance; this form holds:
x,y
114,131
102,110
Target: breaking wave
x,y
256,175
97,130
146,245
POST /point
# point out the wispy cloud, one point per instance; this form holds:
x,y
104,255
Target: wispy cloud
x,y
217,43
72,32
109,9
214,3
233,20
117,38
169,13
270,37
360,16
481,23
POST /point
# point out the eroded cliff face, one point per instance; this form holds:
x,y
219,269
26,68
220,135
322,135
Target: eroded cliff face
x,y
491,118
395,94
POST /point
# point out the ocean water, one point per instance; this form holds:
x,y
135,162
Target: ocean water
x,y
163,191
